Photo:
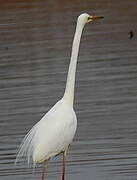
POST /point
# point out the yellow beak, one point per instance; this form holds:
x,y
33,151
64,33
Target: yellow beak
x,y
92,18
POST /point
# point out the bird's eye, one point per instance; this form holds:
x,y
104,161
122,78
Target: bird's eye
x,y
89,19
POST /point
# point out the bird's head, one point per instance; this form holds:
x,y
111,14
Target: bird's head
x,y
86,18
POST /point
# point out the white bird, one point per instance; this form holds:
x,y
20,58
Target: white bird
x,y
54,133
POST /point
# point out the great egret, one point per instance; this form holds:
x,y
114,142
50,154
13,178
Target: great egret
x,y
54,133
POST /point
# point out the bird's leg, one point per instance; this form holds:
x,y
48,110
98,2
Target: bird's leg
x,y
44,169
64,163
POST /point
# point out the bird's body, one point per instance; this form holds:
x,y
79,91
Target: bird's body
x,y
51,135
63,117
55,131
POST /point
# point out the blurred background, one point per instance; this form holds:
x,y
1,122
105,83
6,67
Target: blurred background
x,y
35,46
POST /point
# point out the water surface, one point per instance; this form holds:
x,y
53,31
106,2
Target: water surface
x,y
35,45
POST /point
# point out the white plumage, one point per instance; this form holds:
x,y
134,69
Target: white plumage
x,y
55,131
51,135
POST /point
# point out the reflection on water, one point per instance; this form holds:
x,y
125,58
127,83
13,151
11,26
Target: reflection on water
x,y
35,39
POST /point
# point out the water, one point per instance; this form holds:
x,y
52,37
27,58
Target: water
x,y
36,39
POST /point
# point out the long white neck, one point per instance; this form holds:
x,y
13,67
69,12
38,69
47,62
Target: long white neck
x,y
70,85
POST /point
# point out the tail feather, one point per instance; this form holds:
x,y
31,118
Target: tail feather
x,y
26,148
